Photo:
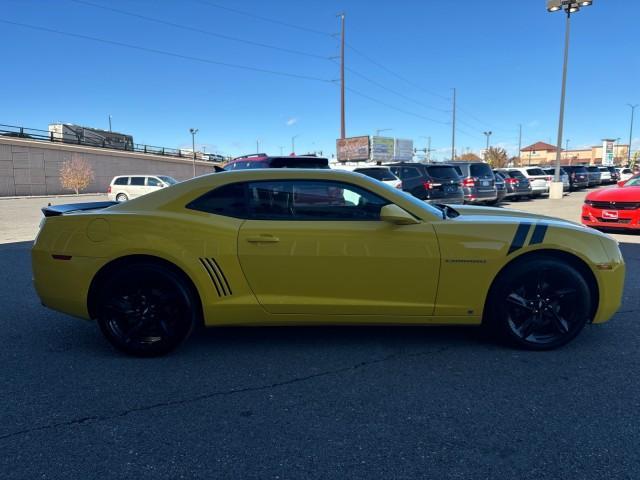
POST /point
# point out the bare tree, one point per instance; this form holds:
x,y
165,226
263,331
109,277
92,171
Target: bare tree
x,y
76,174
497,157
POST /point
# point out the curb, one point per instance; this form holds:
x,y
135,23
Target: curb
x,y
71,195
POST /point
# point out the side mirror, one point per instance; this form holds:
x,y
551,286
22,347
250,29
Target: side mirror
x,y
394,214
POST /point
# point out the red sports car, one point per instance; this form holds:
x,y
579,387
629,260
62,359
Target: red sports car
x,y
614,207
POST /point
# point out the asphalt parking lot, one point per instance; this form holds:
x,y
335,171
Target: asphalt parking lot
x,y
313,402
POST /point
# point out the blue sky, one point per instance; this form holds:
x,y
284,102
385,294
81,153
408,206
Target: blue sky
x,y
504,58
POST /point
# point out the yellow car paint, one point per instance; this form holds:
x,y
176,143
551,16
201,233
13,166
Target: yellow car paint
x,y
436,271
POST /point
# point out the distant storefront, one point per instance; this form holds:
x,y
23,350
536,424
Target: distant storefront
x,y
541,153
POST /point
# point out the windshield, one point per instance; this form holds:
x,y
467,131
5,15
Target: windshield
x,y
415,201
168,180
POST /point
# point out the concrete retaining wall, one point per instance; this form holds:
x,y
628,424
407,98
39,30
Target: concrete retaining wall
x,y
29,167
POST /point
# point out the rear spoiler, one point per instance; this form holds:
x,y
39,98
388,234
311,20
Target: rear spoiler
x,y
56,210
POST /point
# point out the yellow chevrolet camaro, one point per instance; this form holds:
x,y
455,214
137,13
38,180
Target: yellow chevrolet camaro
x,y
303,247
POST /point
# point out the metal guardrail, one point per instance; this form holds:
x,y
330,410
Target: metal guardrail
x,y
13,131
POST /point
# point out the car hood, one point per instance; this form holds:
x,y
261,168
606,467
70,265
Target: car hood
x,y
616,194
501,215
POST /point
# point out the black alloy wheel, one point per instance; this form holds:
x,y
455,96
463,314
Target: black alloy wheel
x,y
540,303
146,309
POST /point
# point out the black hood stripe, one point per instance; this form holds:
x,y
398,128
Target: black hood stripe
x,y
519,238
538,234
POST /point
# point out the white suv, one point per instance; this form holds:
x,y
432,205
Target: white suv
x,y
126,187
540,181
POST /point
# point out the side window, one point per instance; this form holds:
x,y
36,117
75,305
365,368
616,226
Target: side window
x,y
153,182
313,200
410,172
228,200
139,181
121,181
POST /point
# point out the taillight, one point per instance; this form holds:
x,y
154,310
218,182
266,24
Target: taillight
x,y
109,189
427,185
512,181
549,178
399,185
469,182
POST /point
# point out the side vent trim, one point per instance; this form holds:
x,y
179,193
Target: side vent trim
x,y
217,276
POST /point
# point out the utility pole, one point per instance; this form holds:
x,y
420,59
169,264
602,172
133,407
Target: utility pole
x,y
293,143
257,145
633,109
519,144
453,128
193,132
429,150
343,132
109,122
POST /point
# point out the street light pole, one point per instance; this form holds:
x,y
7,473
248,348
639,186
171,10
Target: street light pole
x,y
569,6
193,132
293,143
488,135
633,109
453,128
109,122
519,145
566,149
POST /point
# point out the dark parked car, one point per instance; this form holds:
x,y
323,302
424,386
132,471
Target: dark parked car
x,y
501,187
435,183
478,182
578,176
594,176
615,174
517,184
262,160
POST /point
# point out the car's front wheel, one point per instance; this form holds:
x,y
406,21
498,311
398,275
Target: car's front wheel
x,y
539,303
146,309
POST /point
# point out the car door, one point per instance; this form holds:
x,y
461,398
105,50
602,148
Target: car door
x,y
319,247
136,187
153,184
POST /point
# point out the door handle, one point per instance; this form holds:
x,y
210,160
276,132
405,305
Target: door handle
x,y
263,239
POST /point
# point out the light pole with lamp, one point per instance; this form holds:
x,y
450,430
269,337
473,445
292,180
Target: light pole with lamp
x,y
569,6
193,132
293,143
488,135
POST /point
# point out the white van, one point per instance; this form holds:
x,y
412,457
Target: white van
x,y
126,187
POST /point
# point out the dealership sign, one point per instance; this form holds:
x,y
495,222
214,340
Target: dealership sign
x,y
403,151
382,149
608,154
352,149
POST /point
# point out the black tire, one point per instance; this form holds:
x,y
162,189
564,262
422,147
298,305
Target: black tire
x,y
146,309
121,197
540,303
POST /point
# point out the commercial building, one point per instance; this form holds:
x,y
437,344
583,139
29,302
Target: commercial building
x,y
541,153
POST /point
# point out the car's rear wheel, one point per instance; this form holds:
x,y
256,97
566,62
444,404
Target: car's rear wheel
x,y
539,303
146,309
121,197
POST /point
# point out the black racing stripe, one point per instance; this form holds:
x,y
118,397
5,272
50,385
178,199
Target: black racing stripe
x,y
519,237
538,234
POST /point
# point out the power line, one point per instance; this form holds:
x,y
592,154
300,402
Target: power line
x,y
264,19
198,30
388,105
395,74
395,92
166,53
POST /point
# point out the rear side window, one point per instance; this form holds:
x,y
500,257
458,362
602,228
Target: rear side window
x,y
480,170
535,172
381,174
443,172
228,200
407,173
153,182
137,181
121,181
